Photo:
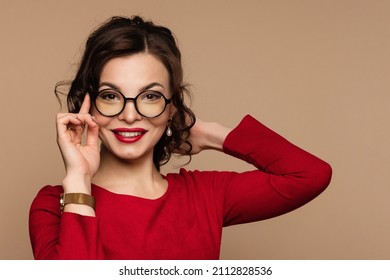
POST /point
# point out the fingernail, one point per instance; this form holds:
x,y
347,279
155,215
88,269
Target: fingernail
x,y
95,121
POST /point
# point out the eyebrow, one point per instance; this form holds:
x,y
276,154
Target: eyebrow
x,y
144,88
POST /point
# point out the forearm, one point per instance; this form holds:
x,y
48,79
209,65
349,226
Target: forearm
x,y
288,177
269,151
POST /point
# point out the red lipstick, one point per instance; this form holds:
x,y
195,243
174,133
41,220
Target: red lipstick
x,y
129,135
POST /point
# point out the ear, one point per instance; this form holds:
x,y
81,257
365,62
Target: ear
x,y
172,111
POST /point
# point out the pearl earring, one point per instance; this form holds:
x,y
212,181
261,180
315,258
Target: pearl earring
x,y
169,130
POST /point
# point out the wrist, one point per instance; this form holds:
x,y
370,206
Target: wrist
x,y
76,184
215,135
77,198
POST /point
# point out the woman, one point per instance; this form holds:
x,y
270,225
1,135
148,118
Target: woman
x,y
113,202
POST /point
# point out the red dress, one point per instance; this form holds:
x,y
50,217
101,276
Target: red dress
x,y
187,221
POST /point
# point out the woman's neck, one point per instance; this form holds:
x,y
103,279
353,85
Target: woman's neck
x,y
137,177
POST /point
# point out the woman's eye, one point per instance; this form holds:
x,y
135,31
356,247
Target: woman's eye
x,y
109,96
151,96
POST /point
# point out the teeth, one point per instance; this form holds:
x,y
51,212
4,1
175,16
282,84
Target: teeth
x,y
129,134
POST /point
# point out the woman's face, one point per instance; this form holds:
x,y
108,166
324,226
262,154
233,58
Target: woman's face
x,y
129,135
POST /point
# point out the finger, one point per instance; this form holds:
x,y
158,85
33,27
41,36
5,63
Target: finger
x,y
72,126
93,136
82,119
86,105
89,123
86,119
69,127
66,120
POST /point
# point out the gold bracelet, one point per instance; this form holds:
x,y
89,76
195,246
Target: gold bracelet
x,y
76,198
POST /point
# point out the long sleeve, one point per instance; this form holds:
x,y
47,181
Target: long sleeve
x,y
60,236
287,176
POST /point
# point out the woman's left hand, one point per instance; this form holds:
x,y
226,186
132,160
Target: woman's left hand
x,y
207,135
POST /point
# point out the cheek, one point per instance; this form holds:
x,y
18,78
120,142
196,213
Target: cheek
x,y
159,128
161,121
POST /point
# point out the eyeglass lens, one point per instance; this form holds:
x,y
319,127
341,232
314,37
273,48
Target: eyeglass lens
x,y
148,103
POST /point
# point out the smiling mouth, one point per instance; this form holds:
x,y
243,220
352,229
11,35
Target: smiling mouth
x,y
128,134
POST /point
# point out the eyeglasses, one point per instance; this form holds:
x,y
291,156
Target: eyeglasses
x,y
149,103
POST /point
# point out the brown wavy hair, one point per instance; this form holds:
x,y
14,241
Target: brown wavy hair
x,y
123,36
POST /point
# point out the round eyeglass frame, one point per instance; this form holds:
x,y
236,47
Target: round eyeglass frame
x,y
134,99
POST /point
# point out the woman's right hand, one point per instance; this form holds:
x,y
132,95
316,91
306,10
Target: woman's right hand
x,y
81,158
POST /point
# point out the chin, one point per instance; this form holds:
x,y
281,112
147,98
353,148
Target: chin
x,y
132,154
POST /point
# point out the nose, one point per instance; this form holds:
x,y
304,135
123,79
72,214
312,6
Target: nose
x,y
129,113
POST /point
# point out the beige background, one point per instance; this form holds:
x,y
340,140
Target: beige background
x,y
315,71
